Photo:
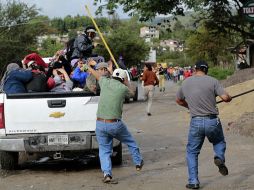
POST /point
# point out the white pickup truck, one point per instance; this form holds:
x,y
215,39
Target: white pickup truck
x,y
59,125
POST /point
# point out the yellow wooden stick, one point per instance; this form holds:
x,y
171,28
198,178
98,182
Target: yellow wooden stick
x,y
101,36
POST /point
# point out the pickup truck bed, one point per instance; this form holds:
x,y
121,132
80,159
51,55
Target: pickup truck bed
x,y
49,123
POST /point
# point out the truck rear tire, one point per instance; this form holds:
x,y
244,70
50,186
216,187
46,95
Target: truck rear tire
x,y
127,100
135,98
118,158
9,160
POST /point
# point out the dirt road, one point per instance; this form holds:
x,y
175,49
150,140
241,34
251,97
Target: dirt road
x,y
162,138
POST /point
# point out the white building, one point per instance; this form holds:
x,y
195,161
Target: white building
x,y
58,38
152,56
149,32
173,45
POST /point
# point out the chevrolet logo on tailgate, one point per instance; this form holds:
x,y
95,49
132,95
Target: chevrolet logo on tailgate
x,y
57,114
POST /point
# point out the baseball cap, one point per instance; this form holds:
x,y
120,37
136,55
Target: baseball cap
x,y
201,64
119,73
101,65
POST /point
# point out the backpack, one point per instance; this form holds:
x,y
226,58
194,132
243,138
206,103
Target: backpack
x,y
38,83
69,49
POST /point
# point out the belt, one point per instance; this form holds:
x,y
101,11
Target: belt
x,y
108,120
207,116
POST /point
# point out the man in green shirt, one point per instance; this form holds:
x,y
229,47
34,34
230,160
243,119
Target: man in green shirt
x,y
109,124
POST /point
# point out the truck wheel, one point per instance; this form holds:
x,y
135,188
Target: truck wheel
x,y
135,98
118,158
9,160
127,100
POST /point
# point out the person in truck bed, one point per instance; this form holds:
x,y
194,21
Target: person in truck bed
x,y
34,57
79,75
62,80
14,79
39,82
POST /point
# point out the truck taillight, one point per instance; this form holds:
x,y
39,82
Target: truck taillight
x,y
2,126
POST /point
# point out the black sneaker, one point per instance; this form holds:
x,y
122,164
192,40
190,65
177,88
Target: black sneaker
x,y
139,167
149,114
221,165
192,186
108,179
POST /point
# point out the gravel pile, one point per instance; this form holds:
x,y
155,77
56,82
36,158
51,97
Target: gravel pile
x,y
244,125
238,77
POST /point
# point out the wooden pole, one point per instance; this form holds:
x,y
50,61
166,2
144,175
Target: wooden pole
x,y
101,36
237,95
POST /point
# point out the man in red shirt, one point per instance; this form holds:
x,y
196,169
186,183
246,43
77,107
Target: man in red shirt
x,y
150,80
186,73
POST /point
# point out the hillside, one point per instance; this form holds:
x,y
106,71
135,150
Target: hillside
x,y
239,77
239,113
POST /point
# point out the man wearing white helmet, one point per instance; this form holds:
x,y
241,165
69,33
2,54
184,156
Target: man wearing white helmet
x,y
109,122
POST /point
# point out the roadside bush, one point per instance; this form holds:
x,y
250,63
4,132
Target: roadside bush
x,y
50,47
220,73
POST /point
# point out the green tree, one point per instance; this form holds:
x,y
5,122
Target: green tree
x,y
50,47
20,24
125,41
59,25
147,9
75,23
178,30
204,45
70,22
220,16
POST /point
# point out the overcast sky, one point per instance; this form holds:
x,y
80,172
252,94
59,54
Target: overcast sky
x,y
62,8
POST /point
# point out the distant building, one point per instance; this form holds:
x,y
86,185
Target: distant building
x,y
151,58
149,32
244,54
57,38
172,45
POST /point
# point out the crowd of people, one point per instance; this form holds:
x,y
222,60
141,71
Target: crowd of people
x,y
175,73
198,94
66,71
73,69
156,75
59,76
76,68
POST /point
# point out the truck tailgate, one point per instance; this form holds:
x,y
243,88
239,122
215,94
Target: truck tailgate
x,y
50,113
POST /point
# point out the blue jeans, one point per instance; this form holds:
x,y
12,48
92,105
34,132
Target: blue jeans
x,y
105,132
201,127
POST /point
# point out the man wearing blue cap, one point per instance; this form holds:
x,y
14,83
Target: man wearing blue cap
x,y
92,84
198,94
